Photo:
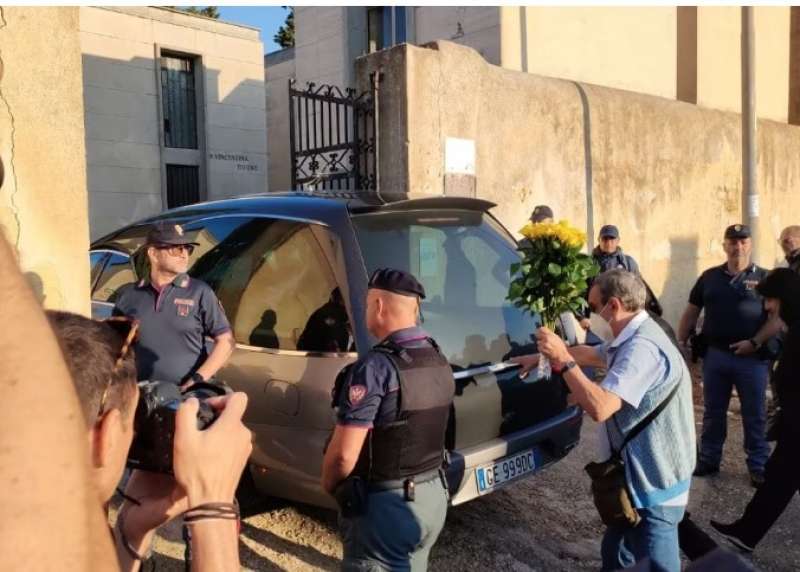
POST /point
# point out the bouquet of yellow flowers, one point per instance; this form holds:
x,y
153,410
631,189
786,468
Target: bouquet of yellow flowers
x,y
551,278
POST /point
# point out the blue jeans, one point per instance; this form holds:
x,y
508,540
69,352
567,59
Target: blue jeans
x,y
721,372
655,537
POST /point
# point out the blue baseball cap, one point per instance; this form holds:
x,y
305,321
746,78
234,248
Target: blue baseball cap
x,y
609,231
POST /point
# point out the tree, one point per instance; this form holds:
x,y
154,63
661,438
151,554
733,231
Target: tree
x,y
284,37
207,11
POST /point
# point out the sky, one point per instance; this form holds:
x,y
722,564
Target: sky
x,y
267,18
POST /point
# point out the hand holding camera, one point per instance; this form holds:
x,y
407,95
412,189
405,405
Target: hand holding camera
x,y
208,463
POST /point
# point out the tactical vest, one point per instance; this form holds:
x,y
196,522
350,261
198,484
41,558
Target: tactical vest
x,y
414,442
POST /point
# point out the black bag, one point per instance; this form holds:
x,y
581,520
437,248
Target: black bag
x,y
609,485
352,496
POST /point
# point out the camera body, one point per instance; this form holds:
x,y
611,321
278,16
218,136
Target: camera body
x,y
154,421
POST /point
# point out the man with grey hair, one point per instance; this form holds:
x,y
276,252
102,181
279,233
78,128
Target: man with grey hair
x,y
644,370
790,244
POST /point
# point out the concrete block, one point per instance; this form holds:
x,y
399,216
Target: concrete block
x,y
121,154
110,211
129,180
171,36
114,74
120,103
237,140
131,52
116,128
221,115
115,25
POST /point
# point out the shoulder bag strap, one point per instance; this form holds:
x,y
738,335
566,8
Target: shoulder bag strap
x,y
641,425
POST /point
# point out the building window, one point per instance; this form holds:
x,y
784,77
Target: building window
x,y
386,26
179,99
183,185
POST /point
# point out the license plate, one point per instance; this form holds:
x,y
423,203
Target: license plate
x,y
491,476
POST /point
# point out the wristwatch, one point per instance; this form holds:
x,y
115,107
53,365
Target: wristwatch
x,y
755,343
568,366
197,377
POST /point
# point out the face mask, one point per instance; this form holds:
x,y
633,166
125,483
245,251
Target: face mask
x,y
600,326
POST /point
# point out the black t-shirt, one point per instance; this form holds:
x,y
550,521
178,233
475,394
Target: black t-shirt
x,y
734,311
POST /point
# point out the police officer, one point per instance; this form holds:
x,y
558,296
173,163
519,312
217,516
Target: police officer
x,y
384,460
176,313
735,329
608,253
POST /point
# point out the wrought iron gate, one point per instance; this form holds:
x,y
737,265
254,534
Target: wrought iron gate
x,y
333,138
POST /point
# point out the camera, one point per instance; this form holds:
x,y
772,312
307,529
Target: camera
x,y
154,421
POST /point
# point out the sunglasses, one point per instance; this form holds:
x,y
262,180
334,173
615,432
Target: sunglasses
x,y
177,249
127,328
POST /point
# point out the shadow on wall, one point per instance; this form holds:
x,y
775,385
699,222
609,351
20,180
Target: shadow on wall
x,y
124,130
681,276
37,286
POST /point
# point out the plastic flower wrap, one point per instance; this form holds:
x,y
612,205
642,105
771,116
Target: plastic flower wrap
x,y
551,278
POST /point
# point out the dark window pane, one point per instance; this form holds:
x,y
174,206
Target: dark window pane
x,y
462,258
96,260
183,185
386,26
117,272
399,24
179,102
374,29
275,283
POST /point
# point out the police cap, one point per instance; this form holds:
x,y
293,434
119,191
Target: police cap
x,y
396,281
166,232
609,231
737,231
541,212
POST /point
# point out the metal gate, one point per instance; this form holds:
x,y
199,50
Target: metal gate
x,y
333,138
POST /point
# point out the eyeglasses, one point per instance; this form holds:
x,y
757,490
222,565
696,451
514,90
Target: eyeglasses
x,y
177,249
128,328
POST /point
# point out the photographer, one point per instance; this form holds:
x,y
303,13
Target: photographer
x,y
207,464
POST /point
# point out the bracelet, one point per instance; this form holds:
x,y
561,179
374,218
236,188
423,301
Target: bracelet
x,y
212,511
126,544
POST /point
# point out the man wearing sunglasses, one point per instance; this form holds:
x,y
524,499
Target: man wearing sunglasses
x,y
177,313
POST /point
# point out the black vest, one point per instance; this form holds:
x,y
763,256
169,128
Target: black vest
x,y
414,442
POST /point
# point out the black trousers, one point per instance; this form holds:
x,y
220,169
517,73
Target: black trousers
x,y
781,482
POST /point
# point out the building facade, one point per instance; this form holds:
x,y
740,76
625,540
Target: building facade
x,y
690,54
174,111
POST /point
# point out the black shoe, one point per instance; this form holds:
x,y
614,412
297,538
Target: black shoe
x,y
756,478
728,531
704,469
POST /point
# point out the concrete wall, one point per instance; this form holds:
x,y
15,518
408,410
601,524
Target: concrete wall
x,y
279,67
719,65
43,200
688,53
124,136
475,26
666,172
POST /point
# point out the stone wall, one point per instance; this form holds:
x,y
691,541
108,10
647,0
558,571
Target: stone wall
x,y
667,173
43,204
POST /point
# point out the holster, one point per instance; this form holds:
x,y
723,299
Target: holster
x,y
352,496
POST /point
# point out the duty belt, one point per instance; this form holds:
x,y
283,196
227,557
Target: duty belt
x,y
408,484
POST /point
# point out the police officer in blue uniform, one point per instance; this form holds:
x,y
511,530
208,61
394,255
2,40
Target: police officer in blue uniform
x,y
176,313
384,460
735,334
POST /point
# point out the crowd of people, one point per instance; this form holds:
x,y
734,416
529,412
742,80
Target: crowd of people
x,y
384,461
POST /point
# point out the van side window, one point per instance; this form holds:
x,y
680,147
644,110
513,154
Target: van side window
x,y
117,272
275,283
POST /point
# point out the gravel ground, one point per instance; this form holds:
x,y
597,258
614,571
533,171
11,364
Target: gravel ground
x,y
547,522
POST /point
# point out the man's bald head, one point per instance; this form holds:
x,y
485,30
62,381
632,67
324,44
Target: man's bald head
x,y
790,239
388,312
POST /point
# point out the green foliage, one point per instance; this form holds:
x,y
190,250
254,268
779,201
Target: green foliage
x,y
551,278
284,37
207,11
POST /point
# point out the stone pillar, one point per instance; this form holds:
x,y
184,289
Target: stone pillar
x,y
43,198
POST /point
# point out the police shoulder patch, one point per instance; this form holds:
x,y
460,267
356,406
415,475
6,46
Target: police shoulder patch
x,y
357,393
